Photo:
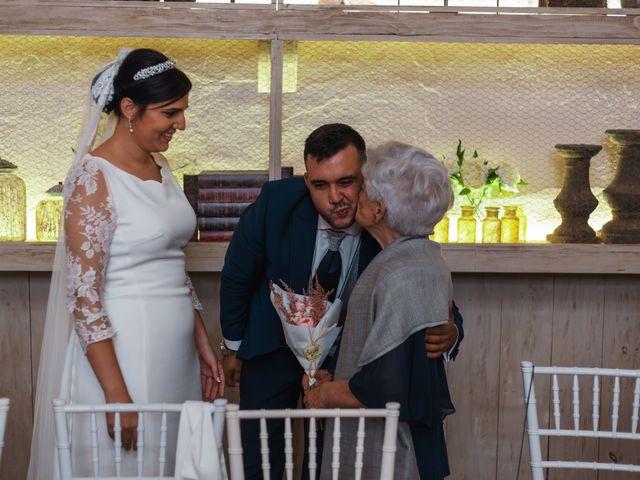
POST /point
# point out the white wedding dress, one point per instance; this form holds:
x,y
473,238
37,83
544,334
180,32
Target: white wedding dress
x,y
127,281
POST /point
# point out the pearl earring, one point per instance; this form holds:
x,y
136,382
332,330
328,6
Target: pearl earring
x,y
130,125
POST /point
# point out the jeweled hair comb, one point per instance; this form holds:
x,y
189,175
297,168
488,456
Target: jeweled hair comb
x,y
154,70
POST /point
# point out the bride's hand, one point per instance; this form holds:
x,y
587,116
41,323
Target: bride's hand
x,y
102,357
211,372
128,422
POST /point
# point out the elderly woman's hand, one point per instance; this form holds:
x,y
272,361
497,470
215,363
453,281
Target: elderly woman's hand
x,y
321,377
316,397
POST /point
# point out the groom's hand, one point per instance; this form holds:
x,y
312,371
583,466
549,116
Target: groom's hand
x,y
439,340
232,368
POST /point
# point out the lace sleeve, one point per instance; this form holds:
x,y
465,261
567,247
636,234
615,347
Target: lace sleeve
x,y
89,224
195,301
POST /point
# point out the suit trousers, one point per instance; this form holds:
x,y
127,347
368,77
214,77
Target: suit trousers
x,y
271,381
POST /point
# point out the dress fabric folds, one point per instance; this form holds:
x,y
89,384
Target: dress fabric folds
x,y
127,281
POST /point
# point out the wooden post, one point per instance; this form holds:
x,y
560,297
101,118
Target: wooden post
x,y
62,440
532,421
390,439
235,442
4,411
275,110
219,407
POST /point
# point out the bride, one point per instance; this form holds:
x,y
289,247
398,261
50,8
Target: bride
x,y
119,275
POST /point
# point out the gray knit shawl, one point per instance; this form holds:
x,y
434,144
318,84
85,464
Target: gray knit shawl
x,y
406,288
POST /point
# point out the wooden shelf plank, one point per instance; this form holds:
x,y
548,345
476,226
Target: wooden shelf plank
x,y
467,258
191,20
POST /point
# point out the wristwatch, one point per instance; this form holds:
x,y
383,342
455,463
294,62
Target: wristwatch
x,y
226,351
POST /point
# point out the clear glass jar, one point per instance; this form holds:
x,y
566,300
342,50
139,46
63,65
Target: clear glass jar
x,y
48,214
441,231
491,225
510,228
466,225
13,204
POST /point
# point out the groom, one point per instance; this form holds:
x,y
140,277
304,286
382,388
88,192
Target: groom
x,y
285,235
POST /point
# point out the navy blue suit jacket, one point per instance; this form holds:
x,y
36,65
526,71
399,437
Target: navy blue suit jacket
x,y
274,240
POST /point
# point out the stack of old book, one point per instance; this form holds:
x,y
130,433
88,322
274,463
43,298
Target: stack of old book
x,y
219,198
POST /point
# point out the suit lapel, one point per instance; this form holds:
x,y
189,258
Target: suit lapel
x,y
305,225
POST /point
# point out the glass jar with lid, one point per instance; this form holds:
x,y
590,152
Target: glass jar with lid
x,y
441,231
522,224
491,226
48,214
466,225
510,228
13,204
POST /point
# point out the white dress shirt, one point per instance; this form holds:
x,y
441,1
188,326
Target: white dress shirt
x,y
348,248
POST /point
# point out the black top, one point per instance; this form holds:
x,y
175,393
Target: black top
x,y
419,384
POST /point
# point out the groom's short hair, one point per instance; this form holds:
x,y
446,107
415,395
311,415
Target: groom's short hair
x,y
325,141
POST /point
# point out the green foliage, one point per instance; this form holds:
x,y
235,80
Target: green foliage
x,y
477,179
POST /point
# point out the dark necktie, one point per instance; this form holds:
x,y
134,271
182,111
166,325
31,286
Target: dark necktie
x,y
330,267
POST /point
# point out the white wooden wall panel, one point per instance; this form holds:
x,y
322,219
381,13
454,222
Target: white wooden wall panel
x,y
473,380
580,320
620,349
15,372
526,332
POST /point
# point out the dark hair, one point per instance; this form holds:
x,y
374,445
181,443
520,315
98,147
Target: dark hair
x,y
325,141
167,86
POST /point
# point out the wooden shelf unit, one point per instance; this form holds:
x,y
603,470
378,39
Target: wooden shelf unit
x,y
554,304
308,22
462,258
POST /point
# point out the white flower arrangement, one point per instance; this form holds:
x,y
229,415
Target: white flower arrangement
x,y
474,174
476,178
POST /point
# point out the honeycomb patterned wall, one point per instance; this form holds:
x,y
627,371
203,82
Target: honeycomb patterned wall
x,y
44,81
511,102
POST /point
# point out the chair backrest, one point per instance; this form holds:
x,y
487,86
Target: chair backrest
x,y
594,378
4,411
388,450
63,413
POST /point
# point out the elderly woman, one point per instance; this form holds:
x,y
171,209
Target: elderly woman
x,y
404,290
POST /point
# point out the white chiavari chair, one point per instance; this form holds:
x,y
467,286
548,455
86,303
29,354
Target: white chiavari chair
x,y
4,412
388,449
593,377
64,412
